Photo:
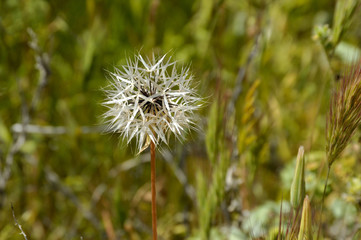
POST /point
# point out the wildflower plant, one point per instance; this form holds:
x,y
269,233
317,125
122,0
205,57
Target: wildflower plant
x,y
148,100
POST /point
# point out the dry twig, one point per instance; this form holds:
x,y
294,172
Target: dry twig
x,y
17,224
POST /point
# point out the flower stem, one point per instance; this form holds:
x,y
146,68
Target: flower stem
x,y
152,179
323,201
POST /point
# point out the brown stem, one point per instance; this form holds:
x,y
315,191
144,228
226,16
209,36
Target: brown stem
x,y
152,179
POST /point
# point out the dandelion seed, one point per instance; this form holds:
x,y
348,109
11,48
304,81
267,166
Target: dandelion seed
x,y
149,99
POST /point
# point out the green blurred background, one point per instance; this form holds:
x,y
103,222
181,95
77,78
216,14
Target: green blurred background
x,y
84,183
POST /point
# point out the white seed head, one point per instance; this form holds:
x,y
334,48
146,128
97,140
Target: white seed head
x,y
148,99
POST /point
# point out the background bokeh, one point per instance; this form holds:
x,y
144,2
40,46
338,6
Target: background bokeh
x,y
266,75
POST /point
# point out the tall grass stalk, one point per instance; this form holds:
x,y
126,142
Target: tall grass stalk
x,y
343,119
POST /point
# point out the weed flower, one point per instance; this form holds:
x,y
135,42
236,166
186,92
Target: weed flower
x,y
148,99
344,114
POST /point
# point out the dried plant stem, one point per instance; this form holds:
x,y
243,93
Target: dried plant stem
x,y
152,179
17,224
323,200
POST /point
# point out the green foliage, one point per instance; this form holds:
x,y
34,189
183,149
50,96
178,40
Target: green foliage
x,y
343,16
344,11
213,135
68,180
211,194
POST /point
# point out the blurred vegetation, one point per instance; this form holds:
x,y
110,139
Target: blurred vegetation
x,y
267,70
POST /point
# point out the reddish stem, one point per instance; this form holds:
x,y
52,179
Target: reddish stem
x,y
152,179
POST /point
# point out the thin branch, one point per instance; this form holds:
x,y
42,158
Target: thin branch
x,y
241,75
17,143
43,65
54,130
17,224
236,93
127,165
53,179
180,175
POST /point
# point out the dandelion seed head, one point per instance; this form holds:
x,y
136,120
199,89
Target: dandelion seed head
x,y
149,99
